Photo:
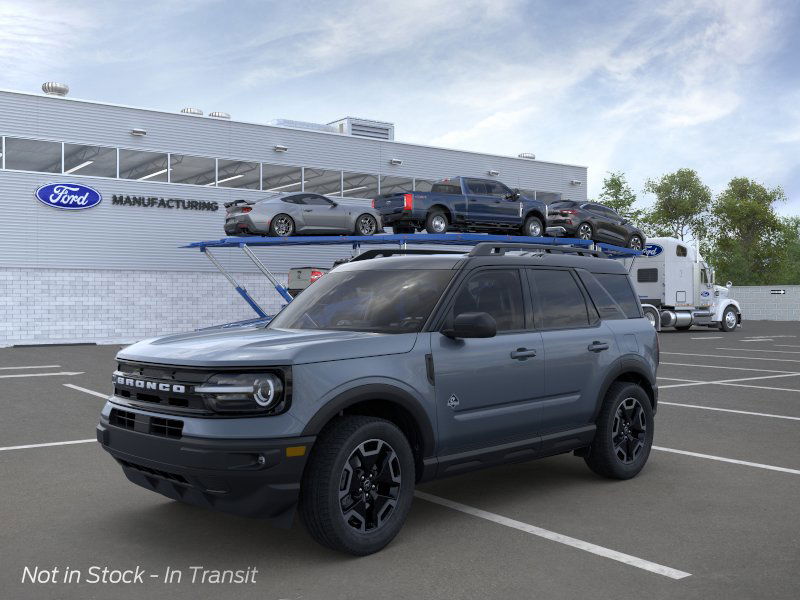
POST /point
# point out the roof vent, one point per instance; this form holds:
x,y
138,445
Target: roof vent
x,y
219,115
51,88
192,111
527,155
377,130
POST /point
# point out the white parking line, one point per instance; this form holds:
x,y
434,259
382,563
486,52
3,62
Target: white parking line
x,y
556,537
40,374
758,340
31,367
84,390
761,387
740,357
48,444
726,381
723,367
728,460
729,410
709,337
759,350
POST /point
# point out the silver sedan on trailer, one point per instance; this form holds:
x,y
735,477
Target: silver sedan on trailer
x,y
300,213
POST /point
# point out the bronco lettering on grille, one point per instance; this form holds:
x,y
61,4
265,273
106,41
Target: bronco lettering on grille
x,y
151,385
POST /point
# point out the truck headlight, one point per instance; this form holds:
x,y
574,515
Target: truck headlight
x,y
243,392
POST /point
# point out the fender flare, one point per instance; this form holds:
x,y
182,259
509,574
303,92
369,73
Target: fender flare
x,y
724,306
624,365
375,391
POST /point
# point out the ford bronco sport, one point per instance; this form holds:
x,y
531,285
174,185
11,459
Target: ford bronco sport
x,y
386,373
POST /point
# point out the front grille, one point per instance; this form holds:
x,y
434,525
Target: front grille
x,y
168,388
122,418
172,428
157,472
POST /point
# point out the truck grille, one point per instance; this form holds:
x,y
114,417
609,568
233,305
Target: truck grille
x,y
125,419
161,388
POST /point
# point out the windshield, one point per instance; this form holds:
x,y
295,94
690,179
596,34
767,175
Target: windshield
x,y
391,301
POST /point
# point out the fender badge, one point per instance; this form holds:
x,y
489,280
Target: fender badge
x,y
452,402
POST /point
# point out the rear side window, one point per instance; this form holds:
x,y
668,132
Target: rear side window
x,y
446,187
496,292
558,299
476,186
619,288
647,275
605,304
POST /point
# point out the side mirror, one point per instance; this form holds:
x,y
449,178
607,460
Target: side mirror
x,y
472,325
334,204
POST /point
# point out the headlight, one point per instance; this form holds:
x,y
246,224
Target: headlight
x,y
243,392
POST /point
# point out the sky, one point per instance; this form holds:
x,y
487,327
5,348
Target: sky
x,y
639,87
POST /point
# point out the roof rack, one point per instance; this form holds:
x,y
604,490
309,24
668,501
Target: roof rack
x,y
383,252
489,248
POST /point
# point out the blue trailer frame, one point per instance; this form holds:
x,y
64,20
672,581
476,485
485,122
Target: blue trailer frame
x,y
445,239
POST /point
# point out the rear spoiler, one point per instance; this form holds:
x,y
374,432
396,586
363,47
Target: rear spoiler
x,y
239,202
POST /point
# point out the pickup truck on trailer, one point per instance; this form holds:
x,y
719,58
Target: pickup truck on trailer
x,y
464,204
677,288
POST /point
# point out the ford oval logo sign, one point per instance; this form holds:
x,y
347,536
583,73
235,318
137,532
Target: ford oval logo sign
x,y
68,196
652,250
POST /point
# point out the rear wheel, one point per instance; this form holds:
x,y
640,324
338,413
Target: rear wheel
x,y
358,486
585,231
729,320
436,222
366,224
281,226
533,227
635,242
624,433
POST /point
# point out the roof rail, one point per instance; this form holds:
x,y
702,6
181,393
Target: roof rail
x,y
490,248
400,252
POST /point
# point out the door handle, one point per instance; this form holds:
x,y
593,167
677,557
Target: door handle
x,y
598,346
308,210
522,353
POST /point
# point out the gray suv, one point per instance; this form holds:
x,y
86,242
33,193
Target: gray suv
x,y
386,373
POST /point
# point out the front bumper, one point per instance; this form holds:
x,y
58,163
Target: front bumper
x,y
246,477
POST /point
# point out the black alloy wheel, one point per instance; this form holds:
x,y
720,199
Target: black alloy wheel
x,y
370,484
630,430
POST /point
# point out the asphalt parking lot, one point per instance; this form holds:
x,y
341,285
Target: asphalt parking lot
x,y
713,515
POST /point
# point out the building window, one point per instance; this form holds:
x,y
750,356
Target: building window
x,y
423,185
97,161
280,178
194,170
321,181
144,166
396,185
33,155
359,185
238,174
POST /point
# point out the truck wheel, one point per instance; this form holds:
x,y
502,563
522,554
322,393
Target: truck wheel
x,y
436,222
624,432
366,225
729,320
533,227
281,226
358,486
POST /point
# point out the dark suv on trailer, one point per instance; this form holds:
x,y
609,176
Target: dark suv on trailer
x,y
386,373
593,221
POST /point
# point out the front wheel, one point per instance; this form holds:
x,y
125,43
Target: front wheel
x,y
729,320
366,225
635,243
533,227
585,231
358,486
624,433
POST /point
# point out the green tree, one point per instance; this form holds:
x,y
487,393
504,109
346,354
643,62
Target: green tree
x,y
681,205
749,243
617,194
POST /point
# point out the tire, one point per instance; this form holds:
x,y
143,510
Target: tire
x,y
436,222
366,225
653,316
282,225
624,459
340,451
403,229
533,227
635,242
585,231
729,321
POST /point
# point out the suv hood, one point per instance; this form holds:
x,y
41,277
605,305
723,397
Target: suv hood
x,y
257,346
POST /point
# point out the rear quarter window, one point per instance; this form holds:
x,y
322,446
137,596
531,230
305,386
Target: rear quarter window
x,y
618,286
606,306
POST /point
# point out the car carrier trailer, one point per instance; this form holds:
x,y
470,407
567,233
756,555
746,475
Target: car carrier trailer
x,y
401,241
